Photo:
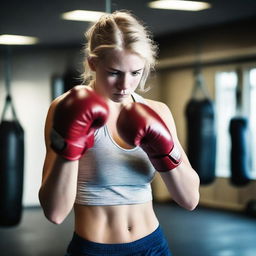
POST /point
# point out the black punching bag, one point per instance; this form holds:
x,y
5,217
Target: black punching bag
x,y
201,138
239,136
11,169
239,156
62,83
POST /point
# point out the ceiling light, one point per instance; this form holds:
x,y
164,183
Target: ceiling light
x,y
81,15
179,5
17,40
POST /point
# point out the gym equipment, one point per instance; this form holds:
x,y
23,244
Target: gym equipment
x,y
11,162
76,117
139,125
239,156
239,132
11,169
61,84
201,134
251,208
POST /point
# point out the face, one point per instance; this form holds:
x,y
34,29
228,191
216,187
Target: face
x,y
118,75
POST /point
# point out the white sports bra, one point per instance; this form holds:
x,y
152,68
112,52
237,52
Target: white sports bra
x,y
111,175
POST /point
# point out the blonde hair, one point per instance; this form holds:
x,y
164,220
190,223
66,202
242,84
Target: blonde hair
x,y
120,30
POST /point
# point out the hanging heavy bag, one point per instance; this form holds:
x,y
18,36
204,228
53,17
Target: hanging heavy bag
x,y
11,168
70,78
251,208
201,135
61,84
201,138
239,156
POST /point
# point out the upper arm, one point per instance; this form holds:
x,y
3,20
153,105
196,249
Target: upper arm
x,y
50,155
165,113
182,182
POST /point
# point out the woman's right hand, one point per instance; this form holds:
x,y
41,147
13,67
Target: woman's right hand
x,y
76,117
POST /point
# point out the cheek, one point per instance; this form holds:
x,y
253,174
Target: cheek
x,y
108,83
111,81
137,80
105,79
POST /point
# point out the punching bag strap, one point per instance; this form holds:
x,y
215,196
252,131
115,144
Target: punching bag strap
x,y
9,103
8,99
199,85
239,89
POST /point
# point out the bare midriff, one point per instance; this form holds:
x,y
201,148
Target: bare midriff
x,y
115,224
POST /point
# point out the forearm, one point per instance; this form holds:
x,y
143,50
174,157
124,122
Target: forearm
x,y
183,185
58,191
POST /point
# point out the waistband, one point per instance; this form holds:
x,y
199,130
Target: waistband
x,y
82,246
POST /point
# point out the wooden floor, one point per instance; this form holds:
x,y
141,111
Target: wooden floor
x,y
203,232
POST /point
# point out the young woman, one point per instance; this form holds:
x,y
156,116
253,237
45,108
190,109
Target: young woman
x,y
104,144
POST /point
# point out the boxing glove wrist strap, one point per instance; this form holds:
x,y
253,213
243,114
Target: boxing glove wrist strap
x,y
66,149
167,162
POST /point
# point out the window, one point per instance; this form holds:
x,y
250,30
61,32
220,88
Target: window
x,y
226,83
250,96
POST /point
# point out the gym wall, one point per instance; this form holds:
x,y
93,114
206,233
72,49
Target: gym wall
x,y
32,69
218,49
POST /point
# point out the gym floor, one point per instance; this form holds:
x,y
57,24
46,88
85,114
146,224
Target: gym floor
x,y
202,232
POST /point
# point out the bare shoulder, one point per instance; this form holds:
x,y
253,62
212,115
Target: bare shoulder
x,y
154,104
159,107
164,112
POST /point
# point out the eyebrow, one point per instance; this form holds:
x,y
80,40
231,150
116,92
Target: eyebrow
x,y
114,69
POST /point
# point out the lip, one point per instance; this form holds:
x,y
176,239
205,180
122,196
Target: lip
x,y
120,94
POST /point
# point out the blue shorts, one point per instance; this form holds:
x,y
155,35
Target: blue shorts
x,y
153,244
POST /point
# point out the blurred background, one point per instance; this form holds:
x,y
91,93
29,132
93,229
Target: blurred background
x,y
206,74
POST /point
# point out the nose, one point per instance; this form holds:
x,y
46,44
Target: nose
x,y
123,83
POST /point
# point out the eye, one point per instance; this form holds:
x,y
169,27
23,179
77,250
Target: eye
x,y
113,73
136,73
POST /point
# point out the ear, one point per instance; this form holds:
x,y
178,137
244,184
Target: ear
x,y
92,63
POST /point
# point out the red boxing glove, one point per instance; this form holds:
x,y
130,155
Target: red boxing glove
x,y
78,114
139,125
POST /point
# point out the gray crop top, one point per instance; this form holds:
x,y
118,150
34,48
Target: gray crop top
x,y
111,175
